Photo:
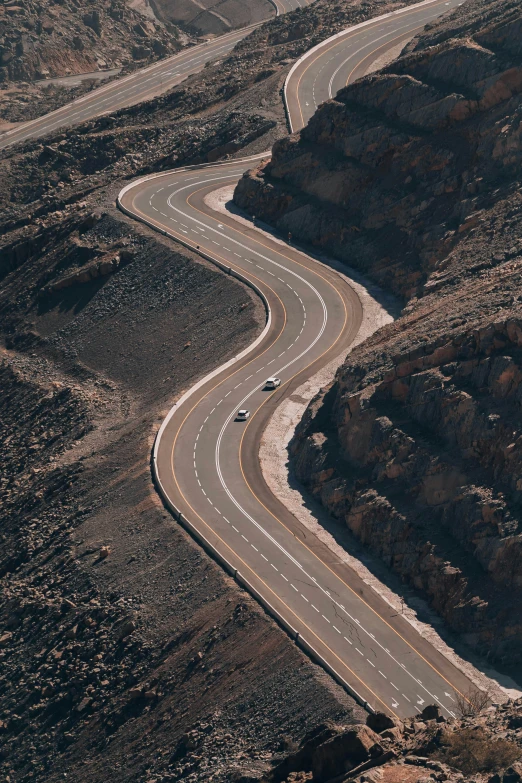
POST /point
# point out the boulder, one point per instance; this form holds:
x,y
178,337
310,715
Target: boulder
x,y
513,774
343,752
431,712
379,722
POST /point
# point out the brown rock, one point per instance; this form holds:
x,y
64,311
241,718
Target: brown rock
x,y
5,638
343,752
379,722
431,712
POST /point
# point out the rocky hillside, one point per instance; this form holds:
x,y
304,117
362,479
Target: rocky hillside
x,y
213,17
482,747
413,176
231,106
40,38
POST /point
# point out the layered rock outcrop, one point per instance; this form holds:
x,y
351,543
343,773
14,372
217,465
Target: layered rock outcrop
x,y
422,463
413,175
391,173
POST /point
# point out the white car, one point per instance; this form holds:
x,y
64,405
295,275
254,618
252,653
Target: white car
x,y
272,383
242,415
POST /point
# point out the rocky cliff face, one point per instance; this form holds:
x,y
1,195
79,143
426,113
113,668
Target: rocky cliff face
x,y
40,39
417,448
413,175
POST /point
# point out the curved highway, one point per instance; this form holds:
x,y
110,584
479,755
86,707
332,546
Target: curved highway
x,y
138,86
207,464
339,60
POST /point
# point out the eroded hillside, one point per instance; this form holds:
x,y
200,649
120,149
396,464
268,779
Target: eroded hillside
x,y
413,175
213,17
40,39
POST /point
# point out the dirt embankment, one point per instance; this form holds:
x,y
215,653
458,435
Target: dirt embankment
x,y
413,175
214,17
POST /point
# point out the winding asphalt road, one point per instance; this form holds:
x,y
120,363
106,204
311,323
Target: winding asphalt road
x,y
207,462
139,86
207,465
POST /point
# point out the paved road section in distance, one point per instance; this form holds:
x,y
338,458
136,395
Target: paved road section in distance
x,y
330,66
138,86
208,464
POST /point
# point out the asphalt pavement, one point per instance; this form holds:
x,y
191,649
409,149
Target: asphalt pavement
x,y
340,60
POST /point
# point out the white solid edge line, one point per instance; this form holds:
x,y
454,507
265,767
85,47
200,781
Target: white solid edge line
x,y
340,34
195,167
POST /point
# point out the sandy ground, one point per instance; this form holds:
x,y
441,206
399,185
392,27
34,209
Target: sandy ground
x,y
378,309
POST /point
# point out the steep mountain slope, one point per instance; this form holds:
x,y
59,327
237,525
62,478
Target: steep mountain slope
x,y
40,38
483,746
413,176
